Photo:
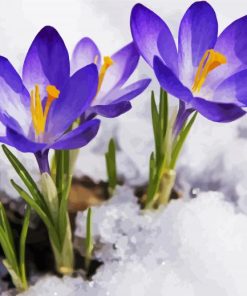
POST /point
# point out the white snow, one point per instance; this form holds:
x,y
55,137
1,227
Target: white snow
x,y
193,247
54,286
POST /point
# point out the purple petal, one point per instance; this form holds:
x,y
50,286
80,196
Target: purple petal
x,y
216,111
169,82
86,52
124,63
75,98
22,143
111,110
146,27
14,98
129,92
79,137
4,140
197,33
232,43
3,137
165,53
233,90
10,122
47,61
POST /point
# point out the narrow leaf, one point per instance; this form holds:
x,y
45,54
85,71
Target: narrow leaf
x,y
23,237
89,238
14,275
155,123
181,139
8,249
111,167
50,227
5,224
25,176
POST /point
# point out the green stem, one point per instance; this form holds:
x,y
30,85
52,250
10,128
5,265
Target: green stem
x,y
166,186
64,256
89,239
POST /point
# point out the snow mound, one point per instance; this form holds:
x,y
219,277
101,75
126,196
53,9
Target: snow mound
x,y
54,286
192,247
196,246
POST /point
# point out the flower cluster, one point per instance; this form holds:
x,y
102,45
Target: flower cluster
x,y
38,109
56,101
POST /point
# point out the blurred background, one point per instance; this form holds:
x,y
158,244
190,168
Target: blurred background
x,y
107,21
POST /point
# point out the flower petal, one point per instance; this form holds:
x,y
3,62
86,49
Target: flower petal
x,y
232,43
111,110
129,92
10,122
79,137
169,82
233,90
3,136
124,63
47,61
146,27
14,98
86,52
22,143
75,98
217,111
197,33
165,53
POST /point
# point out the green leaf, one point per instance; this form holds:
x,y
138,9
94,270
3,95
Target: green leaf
x,y
53,166
160,130
89,238
155,123
152,173
8,249
163,112
23,237
62,172
26,178
151,167
180,142
14,276
50,227
111,167
63,213
59,156
5,224
50,195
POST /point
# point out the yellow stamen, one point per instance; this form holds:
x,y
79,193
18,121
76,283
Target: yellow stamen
x,y
108,62
211,60
39,116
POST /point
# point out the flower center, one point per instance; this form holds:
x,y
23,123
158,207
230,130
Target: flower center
x,y
210,60
108,62
39,116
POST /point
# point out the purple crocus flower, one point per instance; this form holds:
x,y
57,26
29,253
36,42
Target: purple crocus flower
x,y
38,109
112,97
207,73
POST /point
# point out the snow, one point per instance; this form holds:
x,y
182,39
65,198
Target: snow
x,y
193,247
54,286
